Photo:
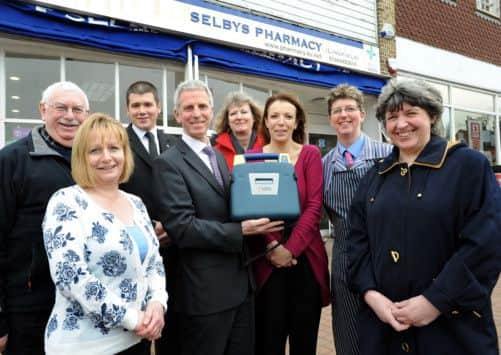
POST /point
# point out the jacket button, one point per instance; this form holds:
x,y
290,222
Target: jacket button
x,y
419,195
405,347
372,199
395,255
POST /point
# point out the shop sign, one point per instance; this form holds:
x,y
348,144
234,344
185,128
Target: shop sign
x,y
235,28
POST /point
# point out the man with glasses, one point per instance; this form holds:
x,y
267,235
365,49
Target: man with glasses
x,y
344,166
31,170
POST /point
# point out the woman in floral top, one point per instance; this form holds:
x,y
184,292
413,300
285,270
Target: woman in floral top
x,y
103,253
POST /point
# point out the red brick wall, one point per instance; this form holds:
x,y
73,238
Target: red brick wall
x,y
457,28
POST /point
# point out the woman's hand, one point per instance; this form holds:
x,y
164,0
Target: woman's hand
x,y
3,342
416,311
151,321
280,256
384,307
261,226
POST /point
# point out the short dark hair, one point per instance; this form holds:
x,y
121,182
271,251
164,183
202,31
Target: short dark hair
x,y
415,93
299,134
141,88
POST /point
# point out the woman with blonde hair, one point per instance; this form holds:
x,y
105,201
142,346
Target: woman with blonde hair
x,y
103,252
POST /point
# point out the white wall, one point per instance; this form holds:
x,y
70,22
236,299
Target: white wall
x,y
418,58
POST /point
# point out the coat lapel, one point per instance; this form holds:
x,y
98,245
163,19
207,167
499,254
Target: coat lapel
x,y
137,146
163,141
198,165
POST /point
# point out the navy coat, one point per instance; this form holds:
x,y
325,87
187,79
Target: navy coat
x,y
433,228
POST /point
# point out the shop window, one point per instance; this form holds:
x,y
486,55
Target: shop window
x,y
173,80
476,130
220,88
260,95
472,99
443,89
489,6
25,79
97,80
16,130
129,75
446,123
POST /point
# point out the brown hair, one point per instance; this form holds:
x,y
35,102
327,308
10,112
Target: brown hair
x,y
236,98
299,133
345,91
141,88
104,126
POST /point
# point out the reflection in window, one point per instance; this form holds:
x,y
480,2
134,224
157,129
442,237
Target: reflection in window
x,y
476,130
260,95
14,131
97,80
129,75
489,6
472,99
443,89
173,80
446,123
26,78
219,89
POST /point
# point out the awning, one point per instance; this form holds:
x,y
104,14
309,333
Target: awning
x,y
100,32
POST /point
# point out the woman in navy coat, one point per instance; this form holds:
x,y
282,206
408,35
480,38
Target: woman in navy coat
x,y
425,246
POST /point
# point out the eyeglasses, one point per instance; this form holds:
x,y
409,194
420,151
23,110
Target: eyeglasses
x,y
62,108
347,109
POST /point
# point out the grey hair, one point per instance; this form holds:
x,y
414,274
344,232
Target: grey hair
x,y
191,85
63,86
415,93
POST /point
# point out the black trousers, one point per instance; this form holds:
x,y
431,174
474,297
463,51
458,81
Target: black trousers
x,y
230,332
170,342
288,305
26,333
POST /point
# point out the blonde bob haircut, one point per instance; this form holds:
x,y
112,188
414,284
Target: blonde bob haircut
x,y
104,126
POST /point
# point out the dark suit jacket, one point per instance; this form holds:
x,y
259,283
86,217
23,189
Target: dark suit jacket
x,y
141,180
194,210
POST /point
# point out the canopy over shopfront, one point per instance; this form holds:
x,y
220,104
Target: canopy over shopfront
x,y
33,21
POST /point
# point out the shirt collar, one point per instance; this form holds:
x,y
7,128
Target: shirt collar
x,y
141,132
195,144
355,149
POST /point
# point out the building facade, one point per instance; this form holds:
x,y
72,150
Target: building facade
x,y
455,46
259,47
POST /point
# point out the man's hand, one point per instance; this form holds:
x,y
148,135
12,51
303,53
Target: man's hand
x,y
280,256
3,342
416,311
162,236
151,321
384,307
261,226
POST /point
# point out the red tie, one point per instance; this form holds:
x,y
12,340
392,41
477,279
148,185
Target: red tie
x,y
349,159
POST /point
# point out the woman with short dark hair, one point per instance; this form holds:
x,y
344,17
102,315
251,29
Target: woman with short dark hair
x,y
425,245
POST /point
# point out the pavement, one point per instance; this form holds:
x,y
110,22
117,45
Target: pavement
x,y
325,345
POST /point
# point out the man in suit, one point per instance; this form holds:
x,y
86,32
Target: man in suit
x,y
147,142
213,291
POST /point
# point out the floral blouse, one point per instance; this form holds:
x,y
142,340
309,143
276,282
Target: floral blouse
x,y
101,283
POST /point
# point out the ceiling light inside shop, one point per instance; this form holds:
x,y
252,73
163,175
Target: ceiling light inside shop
x,y
14,110
14,78
14,97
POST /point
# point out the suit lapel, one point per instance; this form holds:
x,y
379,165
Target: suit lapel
x,y
163,141
199,166
137,146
